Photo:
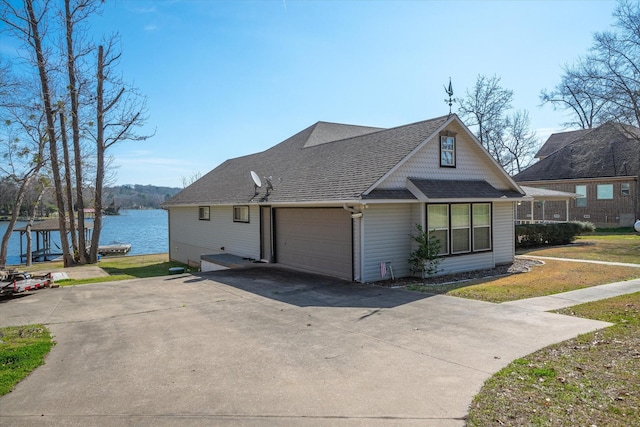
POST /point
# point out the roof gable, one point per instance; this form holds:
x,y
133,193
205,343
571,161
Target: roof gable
x,y
473,162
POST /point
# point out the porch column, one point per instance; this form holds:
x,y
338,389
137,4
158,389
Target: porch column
x,y
532,219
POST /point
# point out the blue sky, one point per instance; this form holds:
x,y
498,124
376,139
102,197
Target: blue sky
x,y
230,78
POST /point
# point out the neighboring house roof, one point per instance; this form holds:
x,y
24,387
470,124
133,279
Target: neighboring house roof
x,y
611,150
545,194
558,140
327,162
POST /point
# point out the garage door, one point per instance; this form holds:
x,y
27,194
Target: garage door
x,y
318,240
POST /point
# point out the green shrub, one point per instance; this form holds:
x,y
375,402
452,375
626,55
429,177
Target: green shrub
x,y
561,233
425,258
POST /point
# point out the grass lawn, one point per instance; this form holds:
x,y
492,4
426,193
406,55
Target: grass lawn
x,y
22,349
118,268
622,247
550,278
592,380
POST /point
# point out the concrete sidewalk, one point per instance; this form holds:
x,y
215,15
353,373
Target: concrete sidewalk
x,y
579,296
588,261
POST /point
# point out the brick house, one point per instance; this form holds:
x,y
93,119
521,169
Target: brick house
x,y
600,164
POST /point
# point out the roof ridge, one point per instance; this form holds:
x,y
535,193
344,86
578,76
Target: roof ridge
x,y
385,129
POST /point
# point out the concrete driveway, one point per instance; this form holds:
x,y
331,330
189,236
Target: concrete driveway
x,y
265,346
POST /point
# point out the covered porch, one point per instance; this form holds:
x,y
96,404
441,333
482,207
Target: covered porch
x,y
543,206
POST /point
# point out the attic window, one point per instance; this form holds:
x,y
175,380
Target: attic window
x,y
203,213
241,214
448,150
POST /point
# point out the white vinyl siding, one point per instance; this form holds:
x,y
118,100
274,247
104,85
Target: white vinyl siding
x,y
472,163
462,263
189,237
503,232
387,230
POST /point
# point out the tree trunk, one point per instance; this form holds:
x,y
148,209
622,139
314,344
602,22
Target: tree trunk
x,y
51,130
68,185
100,148
75,126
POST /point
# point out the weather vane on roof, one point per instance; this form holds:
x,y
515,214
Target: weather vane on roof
x,y
449,91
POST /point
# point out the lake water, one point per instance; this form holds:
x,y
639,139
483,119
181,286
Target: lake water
x,y
146,231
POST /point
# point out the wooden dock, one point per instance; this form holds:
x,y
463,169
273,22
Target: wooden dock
x,y
114,250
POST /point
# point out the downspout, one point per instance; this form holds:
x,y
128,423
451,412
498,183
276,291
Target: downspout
x,y
357,216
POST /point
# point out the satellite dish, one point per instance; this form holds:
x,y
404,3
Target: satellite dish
x,y
269,183
256,179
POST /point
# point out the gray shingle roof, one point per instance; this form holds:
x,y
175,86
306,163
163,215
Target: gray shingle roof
x,y
460,189
307,167
558,140
607,151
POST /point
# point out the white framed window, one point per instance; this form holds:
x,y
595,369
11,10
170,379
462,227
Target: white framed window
x,y
625,189
203,213
241,214
447,151
581,202
481,226
604,192
460,228
438,225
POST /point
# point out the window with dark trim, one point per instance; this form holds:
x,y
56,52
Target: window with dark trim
x,y
203,213
241,214
581,202
448,150
625,189
604,192
460,228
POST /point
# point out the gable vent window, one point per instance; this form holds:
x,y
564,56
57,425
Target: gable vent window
x,y
241,214
448,151
203,213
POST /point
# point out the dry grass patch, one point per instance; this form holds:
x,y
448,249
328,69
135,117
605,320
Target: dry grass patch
x,y
550,278
613,248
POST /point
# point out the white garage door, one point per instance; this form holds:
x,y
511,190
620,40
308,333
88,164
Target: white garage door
x,y
318,240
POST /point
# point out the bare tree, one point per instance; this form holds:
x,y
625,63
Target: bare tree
x,y
575,93
29,25
90,86
604,84
22,152
119,111
187,181
484,107
506,135
520,142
